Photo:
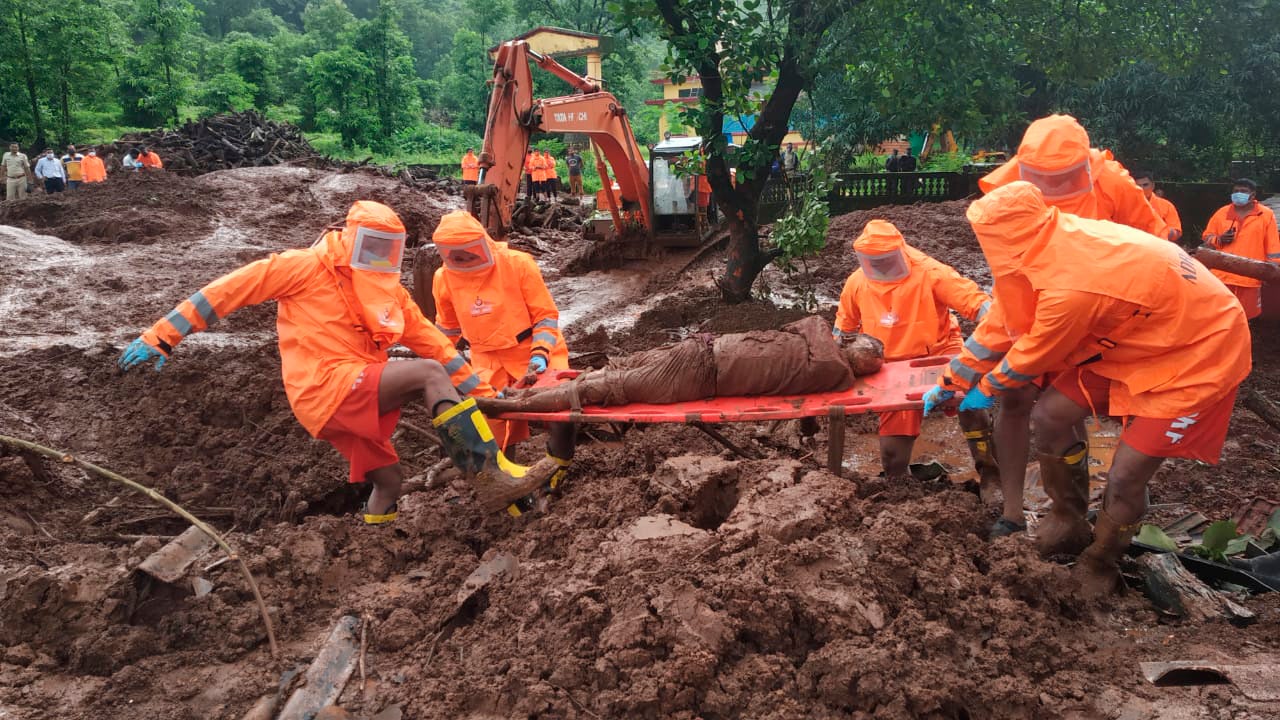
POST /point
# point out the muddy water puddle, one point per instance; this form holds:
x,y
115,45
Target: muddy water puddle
x,y
613,299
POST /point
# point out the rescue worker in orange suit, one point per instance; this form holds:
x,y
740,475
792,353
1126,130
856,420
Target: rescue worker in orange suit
x,y
540,175
1165,209
1165,348
552,175
904,298
341,306
93,168
470,167
1248,229
1055,156
150,159
495,299
530,187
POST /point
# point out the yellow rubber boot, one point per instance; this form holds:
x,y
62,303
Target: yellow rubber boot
x,y
474,451
982,448
1066,481
1097,569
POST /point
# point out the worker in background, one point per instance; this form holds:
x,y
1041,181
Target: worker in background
x,y
1246,228
891,162
494,297
72,163
149,159
49,171
470,167
130,161
17,173
552,175
1141,331
530,187
1165,209
1056,157
790,161
94,169
341,306
539,175
904,298
573,161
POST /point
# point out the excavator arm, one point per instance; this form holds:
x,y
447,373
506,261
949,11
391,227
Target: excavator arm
x,y
514,115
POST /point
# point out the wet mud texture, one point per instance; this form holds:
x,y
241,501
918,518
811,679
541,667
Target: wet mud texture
x,y
669,580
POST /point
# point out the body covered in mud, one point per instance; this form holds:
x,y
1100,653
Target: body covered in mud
x,y
797,359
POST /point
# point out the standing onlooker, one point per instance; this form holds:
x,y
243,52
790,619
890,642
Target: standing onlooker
x,y
907,163
93,168
71,163
891,162
1246,228
574,162
17,173
1165,209
470,167
150,159
790,161
50,171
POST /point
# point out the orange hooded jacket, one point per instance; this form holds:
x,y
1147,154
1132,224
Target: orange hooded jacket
x,y
910,316
150,160
1256,239
470,167
1172,339
94,169
504,310
539,165
1059,142
1169,214
321,322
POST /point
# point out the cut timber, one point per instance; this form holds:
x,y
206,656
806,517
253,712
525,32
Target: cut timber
x,y
1217,260
1176,591
1262,407
328,674
170,562
1260,682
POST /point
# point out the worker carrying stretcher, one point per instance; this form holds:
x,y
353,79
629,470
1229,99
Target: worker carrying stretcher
x,y
1164,348
800,358
1056,157
341,306
494,297
904,298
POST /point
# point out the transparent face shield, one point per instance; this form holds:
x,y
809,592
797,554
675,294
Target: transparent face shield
x,y
1062,184
377,250
467,257
886,267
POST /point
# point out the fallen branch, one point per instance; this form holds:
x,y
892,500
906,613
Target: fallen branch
x,y
23,445
714,434
1262,407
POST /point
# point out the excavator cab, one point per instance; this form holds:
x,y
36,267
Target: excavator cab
x,y
678,205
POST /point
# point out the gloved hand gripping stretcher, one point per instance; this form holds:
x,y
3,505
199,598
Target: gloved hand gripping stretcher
x,y
796,372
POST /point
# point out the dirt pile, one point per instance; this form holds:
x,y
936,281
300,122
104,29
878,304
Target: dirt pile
x,y
221,142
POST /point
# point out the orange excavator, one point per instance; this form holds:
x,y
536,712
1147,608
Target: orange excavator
x,y
514,115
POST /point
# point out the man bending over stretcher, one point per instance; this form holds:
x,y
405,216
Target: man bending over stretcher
x,y
800,358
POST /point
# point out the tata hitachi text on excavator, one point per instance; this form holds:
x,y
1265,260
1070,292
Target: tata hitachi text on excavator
x,y
651,200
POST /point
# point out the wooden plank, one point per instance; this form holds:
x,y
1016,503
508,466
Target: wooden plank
x,y
329,672
170,562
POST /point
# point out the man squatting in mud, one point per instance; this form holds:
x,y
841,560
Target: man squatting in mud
x,y
341,306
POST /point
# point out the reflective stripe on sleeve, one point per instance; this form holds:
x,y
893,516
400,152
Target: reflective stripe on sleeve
x,y
980,351
454,365
982,311
1014,374
447,332
964,372
179,322
469,384
204,307
548,323
545,337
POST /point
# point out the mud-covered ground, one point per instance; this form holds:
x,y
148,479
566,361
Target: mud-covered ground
x,y
670,579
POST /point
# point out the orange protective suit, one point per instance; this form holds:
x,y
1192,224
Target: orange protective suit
x,y
1056,148
150,160
470,167
325,315
501,306
1171,339
1169,214
549,167
911,316
1256,239
539,165
93,168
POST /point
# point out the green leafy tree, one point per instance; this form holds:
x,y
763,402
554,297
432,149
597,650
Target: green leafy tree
x,y
753,59
326,22
338,81
393,88
254,60
217,16
227,92
157,80
20,51
589,16
463,95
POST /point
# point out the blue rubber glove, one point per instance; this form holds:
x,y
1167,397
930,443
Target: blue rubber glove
x,y
140,352
537,364
975,399
935,397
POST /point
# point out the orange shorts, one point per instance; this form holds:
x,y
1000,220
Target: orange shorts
x,y
901,422
1250,298
1198,435
357,430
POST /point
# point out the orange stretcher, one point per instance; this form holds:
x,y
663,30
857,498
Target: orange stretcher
x,y
898,386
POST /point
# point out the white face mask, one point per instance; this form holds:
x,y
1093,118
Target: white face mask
x,y
467,258
1061,184
377,251
887,267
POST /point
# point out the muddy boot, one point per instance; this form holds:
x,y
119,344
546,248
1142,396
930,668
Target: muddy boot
x,y
1066,482
982,449
470,444
1097,571
530,503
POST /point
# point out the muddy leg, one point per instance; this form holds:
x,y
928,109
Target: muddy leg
x,y
895,455
1123,506
387,486
977,432
1013,436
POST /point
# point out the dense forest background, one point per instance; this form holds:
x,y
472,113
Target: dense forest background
x,y
1182,86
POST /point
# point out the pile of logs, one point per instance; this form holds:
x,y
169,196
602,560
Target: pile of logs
x,y
245,139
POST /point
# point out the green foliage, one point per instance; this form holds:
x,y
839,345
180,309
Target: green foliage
x,y
802,233
1220,541
1155,537
339,79
254,61
944,162
462,98
436,141
227,92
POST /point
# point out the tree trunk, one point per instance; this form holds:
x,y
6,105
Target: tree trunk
x,y
29,71
64,91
